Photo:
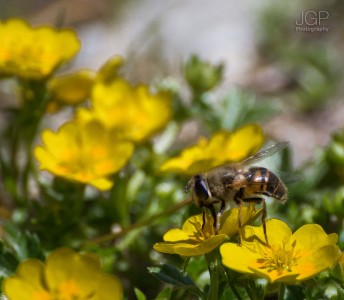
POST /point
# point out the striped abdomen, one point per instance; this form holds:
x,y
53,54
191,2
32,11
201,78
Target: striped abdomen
x,y
262,181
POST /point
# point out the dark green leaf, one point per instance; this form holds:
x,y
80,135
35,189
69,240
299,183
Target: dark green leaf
x,y
175,277
139,295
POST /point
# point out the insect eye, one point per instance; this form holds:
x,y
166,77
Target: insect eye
x,y
201,190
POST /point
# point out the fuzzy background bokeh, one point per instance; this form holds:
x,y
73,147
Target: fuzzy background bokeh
x,y
300,72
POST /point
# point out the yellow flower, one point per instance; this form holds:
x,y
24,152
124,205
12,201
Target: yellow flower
x,y
222,147
192,240
34,53
66,275
84,152
70,89
134,112
289,257
109,71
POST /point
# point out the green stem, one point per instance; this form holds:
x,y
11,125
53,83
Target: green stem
x,y
23,133
119,198
139,224
251,290
232,286
214,275
34,107
281,291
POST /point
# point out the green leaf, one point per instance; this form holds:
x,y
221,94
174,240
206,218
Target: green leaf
x,y
23,244
139,295
171,275
294,292
175,277
165,294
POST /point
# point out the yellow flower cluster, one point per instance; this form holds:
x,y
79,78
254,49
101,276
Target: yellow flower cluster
x,y
34,53
84,152
222,147
194,240
134,112
288,257
66,275
100,140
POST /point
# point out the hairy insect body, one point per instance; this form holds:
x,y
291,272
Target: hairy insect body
x,y
261,181
240,183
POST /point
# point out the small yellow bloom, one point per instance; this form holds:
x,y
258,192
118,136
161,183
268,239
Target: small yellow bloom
x,y
84,152
70,89
289,257
34,53
134,112
192,240
223,147
109,71
66,275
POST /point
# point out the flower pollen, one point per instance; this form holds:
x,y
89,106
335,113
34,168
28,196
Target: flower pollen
x,y
279,258
202,234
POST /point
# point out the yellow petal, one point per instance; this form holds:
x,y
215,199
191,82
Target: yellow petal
x,y
85,152
222,147
237,257
109,288
251,136
191,249
230,219
109,71
65,266
276,275
311,237
102,184
34,53
27,283
277,231
174,235
71,89
134,112
192,224
324,258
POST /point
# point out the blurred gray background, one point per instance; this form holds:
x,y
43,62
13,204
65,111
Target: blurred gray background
x,y
301,72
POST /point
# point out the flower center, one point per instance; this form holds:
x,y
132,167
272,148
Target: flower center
x,y
204,233
279,258
69,290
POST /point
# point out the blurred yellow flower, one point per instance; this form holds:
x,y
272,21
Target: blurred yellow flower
x,y
192,240
70,89
84,152
221,148
34,53
289,257
134,112
109,71
66,275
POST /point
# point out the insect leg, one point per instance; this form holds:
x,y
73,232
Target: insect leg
x,y
219,214
203,217
238,200
258,200
263,221
213,215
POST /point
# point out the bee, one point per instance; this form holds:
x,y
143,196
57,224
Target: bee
x,y
239,182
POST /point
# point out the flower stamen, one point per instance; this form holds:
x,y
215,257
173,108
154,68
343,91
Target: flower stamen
x,y
280,258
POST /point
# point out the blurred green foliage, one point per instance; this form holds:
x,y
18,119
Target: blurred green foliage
x,y
121,225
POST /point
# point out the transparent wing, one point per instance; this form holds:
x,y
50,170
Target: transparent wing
x,y
288,177
228,167
265,153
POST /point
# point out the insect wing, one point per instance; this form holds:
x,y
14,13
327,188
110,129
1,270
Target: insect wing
x,y
227,168
288,177
265,153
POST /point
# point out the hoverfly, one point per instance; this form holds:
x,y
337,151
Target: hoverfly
x,y
240,182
